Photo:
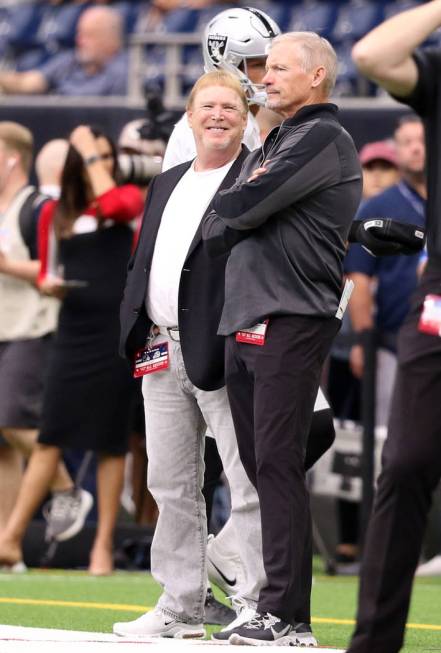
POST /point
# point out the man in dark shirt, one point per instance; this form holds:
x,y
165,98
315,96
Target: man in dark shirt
x,y
291,210
97,66
390,55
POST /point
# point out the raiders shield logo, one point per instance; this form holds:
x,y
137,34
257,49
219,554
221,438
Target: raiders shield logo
x,y
216,47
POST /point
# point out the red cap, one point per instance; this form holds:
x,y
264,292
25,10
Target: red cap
x,y
378,150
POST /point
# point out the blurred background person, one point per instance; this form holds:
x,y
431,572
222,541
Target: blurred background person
x,y
383,285
380,171
380,167
49,164
89,390
27,323
97,66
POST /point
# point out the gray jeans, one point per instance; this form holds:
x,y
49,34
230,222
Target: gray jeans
x,y
177,415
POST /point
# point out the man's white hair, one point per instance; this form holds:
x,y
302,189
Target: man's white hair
x,y
316,51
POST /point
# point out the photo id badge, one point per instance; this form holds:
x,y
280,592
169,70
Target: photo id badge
x,y
430,320
151,359
254,335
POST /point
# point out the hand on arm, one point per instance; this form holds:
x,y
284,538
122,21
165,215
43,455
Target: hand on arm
x,y
361,311
385,54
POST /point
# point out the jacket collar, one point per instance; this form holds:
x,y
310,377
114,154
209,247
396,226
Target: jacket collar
x,y
311,111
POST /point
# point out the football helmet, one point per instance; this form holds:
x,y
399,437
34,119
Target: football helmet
x,y
232,37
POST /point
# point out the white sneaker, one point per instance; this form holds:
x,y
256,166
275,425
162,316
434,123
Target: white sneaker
x,y
158,624
66,514
245,611
430,568
225,572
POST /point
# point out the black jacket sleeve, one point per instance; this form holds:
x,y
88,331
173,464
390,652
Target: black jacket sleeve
x,y
295,172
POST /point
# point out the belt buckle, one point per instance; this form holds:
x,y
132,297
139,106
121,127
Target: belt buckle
x,y
170,333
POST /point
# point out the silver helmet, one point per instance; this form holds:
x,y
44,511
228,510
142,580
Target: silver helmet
x,y
232,37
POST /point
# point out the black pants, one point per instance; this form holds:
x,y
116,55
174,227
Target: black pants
x,y
411,471
272,390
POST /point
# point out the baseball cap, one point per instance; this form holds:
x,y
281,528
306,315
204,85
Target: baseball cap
x,y
378,150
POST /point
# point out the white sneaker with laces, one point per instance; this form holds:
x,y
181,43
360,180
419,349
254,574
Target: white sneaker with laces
x,y
158,624
245,611
226,572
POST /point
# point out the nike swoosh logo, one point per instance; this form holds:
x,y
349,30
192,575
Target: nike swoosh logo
x,y
167,623
282,633
227,580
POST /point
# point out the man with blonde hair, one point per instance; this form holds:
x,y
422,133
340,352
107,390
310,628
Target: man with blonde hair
x,y
292,207
169,318
97,66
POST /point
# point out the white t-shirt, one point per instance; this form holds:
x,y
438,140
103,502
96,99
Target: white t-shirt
x,y
180,220
181,146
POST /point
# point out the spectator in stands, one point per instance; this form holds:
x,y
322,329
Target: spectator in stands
x,y
88,393
49,164
383,285
27,321
97,66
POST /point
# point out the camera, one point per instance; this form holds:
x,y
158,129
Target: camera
x,y
139,169
142,142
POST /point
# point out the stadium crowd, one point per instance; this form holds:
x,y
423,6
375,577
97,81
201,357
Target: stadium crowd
x,y
229,336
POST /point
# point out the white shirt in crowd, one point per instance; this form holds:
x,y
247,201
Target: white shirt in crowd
x,y
180,220
181,146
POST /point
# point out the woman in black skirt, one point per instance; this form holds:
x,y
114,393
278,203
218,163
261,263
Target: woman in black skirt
x,y
85,241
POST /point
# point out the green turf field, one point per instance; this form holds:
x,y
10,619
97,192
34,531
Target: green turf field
x,y
73,600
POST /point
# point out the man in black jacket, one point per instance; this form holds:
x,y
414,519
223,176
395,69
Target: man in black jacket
x,y
169,318
292,207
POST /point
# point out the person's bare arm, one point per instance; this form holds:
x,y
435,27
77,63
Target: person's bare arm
x,y
31,81
24,270
361,311
385,54
84,142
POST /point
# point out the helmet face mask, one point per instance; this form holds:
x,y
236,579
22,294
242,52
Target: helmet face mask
x,y
232,37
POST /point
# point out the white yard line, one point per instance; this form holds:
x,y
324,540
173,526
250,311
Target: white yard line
x,y
17,639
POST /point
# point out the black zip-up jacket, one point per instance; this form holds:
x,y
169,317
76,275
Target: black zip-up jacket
x,y
292,222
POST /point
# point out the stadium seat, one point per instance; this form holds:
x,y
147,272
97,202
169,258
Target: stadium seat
x,y
314,15
129,12
349,82
58,26
356,18
18,25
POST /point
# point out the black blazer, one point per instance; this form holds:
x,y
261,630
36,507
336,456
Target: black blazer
x,y
201,288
